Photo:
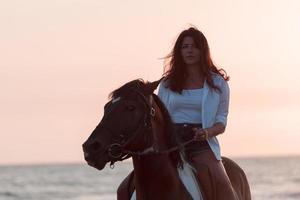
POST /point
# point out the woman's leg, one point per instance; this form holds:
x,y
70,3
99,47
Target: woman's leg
x,y
212,177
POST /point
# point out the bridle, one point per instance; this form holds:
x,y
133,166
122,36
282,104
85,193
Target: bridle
x,y
117,151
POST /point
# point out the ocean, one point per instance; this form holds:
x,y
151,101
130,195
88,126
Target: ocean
x,y
276,178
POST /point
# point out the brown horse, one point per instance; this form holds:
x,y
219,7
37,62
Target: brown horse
x,y
136,124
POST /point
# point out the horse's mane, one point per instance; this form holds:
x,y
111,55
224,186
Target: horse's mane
x,y
170,133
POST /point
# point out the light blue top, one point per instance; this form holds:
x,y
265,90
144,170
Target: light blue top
x,y
213,106
184,107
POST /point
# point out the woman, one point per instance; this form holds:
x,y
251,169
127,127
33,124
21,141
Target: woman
x,y
196,94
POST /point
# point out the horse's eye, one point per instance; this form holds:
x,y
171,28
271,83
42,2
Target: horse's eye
x,y
130,107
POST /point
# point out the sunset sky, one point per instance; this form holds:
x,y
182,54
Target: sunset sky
x,y
59,60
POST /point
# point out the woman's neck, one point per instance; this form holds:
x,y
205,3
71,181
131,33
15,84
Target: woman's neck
x,y
194,78
192,69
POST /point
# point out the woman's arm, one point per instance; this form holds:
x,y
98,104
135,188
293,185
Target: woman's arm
x,y
221,116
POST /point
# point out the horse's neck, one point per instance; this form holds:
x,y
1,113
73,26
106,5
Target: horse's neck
x,y
151,167
156,164
155,174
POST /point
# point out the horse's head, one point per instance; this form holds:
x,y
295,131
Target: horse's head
x,y
124,126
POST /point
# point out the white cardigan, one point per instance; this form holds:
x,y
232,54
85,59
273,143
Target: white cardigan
x,y
214,107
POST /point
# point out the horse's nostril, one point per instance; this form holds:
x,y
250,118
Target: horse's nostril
x,y
86,155
95,146
89,159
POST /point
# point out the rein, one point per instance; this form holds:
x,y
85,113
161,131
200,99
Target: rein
x,y
152,151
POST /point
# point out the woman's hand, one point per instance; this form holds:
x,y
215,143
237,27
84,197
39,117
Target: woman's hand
x,y
206,133
200,134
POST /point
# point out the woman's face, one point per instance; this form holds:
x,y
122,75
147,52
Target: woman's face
x,y
189,52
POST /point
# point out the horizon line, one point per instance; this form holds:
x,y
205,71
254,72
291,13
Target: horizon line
x,y
129,160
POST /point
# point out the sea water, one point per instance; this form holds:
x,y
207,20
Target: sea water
x,y
269,178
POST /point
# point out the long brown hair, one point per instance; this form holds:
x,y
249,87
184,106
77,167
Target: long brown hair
x,y
175,70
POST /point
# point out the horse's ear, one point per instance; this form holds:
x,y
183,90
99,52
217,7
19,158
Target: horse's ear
x,y
151,86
